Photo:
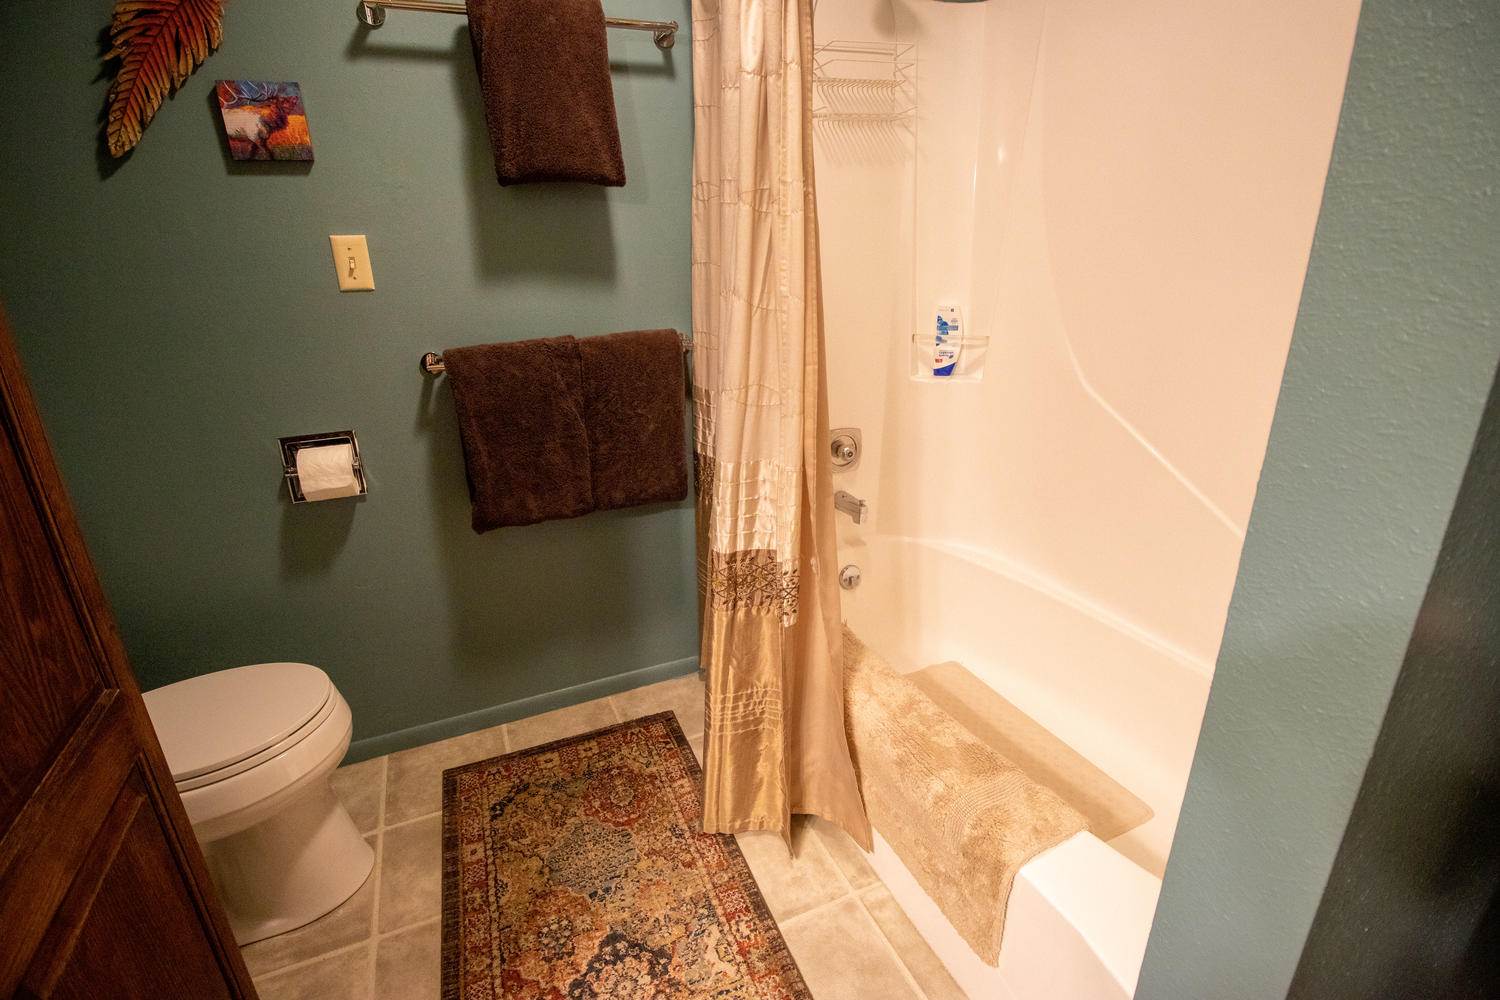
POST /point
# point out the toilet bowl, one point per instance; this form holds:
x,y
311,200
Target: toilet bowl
x,y
251,750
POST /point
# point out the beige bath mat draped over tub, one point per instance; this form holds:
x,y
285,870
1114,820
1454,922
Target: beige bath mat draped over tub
x,y
775,742
962,818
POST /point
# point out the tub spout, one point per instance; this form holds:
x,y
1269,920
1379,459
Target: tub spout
x,y
851,505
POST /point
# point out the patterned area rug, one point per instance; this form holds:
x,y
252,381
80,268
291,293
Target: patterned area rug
x,y
575,871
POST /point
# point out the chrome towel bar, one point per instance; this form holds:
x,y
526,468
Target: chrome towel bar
x,y
432,362
371,13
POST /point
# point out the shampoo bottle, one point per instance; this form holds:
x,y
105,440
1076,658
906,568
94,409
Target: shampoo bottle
x,y
947,341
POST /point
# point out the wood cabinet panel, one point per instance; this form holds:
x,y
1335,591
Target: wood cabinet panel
x,y
138,933
103,889
50,674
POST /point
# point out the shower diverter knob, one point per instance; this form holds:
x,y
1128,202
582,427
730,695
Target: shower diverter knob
x,y
845,447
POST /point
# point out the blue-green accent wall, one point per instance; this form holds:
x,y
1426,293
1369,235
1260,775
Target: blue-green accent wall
x,y
178,313
1412,907
1394,350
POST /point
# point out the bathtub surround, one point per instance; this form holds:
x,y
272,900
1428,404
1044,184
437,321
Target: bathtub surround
x,y
548,102
1096,185
962,818
770,636
1122,197
183,306
1395,349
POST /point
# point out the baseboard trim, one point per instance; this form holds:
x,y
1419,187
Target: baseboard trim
x,y
495,715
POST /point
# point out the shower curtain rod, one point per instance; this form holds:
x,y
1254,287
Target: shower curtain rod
x,y
372,13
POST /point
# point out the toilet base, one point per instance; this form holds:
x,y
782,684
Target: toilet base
x,y
291,868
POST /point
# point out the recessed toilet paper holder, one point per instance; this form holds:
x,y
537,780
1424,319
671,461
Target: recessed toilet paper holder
x,y
291,445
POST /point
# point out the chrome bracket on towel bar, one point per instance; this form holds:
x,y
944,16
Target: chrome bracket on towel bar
x,y
372,14
432,362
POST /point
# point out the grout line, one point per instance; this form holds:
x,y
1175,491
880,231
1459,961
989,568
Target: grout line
x,y
385,783
379,869
815,908
890,946
304,963
385,794
375,906
409,927
414,819
843,877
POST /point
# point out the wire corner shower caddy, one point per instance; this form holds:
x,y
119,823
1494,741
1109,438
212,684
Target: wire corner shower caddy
x,y
865,83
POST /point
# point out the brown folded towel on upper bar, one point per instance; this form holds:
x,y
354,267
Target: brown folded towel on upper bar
x,y
548,102
633,400
520,417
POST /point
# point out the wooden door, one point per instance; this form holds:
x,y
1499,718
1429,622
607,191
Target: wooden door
x,y
103,890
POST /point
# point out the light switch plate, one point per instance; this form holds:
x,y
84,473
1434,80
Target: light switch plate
x,y
351,260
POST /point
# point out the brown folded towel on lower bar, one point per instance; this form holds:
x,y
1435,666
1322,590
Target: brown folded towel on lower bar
x,y
520,417
548,101
560,427
633,400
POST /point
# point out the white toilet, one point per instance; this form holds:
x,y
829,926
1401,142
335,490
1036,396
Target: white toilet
x,y
251,750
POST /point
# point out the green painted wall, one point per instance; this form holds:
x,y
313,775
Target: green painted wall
x,y
179,313
1395,348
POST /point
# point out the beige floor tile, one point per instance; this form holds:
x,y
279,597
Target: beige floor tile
x,y
843,955
408,964
696,742
411,861
349,923
913,950
344,976
681,695
848,855
571,721
794,884
414,778
361,787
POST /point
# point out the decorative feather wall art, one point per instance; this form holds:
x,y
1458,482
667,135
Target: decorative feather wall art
x,y
159,44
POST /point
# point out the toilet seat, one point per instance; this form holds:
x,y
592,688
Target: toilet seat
x,y
216,725
229,805
240,743
245,764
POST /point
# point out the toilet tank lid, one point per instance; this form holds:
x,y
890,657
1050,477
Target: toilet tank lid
x,y
218,719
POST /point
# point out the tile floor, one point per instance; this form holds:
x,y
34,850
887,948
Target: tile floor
x,y
849,936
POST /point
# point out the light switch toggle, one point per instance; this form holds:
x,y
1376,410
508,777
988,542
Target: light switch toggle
x,y
351,262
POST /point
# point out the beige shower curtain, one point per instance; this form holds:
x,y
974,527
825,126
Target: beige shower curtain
x,y
775,742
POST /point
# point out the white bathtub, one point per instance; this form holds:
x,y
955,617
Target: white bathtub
x,y
1080,913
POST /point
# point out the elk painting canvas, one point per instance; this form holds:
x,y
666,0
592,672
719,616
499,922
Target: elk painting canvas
x,y
264,121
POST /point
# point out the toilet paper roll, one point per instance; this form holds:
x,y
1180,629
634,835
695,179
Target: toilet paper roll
x,y
327,472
